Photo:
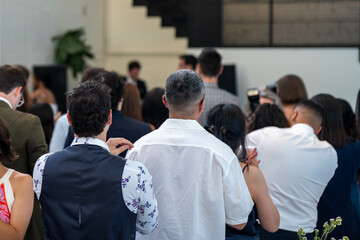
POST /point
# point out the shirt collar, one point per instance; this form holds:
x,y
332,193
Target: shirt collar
x,y
90,141
7,101
130,80
303,129
181,124
210,85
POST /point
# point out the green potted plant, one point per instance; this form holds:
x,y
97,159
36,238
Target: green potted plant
x,y
72,50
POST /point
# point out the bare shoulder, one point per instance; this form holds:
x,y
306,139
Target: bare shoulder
x,y
21,182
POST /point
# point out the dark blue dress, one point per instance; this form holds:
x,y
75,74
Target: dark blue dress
x,y
338,197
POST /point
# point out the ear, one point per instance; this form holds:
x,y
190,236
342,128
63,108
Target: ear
x,y
164,101
201,105
68,118
221,70
198,68
318,131
109,121
17,91
293,117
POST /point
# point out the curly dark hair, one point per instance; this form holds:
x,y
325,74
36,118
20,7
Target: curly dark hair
x,y
267,115
89,105
227,123
6,151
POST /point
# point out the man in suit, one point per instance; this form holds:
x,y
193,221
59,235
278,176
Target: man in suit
x,y
27,136
121,126
133,78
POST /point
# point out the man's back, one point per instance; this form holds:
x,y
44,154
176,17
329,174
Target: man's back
x,y
197,181
297,167
214,96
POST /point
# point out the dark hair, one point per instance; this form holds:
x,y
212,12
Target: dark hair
x,y
11,77
90,73
133,64
210,62
349,120
291,89
89,105
315,108
184,88
189,59
267,115
332,125
116,85
132,102
45,113
6,151
153,109
227,123
24,70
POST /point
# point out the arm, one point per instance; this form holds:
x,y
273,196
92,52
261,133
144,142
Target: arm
x,y
138,196
267,212
21,210
237,199
36,144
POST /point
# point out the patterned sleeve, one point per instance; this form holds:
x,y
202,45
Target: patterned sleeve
x,y
138,196
38,173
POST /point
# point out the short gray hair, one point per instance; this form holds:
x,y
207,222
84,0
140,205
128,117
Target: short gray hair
x,y
183,90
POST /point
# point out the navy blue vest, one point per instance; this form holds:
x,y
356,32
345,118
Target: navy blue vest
x,y
81,196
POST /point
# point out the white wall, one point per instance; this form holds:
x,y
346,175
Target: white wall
x,y
26,28
324,70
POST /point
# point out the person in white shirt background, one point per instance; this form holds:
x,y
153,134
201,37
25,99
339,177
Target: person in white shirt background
x,y
297,166
197,178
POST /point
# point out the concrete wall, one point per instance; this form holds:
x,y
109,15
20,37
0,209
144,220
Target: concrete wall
x,y
324,70
26,28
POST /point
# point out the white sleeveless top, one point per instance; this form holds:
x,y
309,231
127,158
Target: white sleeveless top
x,y
5,188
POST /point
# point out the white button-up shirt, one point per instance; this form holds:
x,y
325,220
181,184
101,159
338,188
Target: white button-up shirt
x,y
297,166
197,179
136,186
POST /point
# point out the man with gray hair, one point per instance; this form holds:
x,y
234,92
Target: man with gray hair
x,y
197,178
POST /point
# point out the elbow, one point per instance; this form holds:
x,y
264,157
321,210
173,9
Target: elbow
x,y
273,226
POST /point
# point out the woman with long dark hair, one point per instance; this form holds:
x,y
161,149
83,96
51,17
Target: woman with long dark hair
x,y
336,199
16,193
227,123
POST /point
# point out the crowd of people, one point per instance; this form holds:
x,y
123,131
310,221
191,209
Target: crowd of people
x,y
179,162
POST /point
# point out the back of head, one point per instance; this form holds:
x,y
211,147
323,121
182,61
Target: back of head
x,y
227,123
11,77
291,89
132,102
45,113
24,70
310,113
349,120
210,62
116,85
153,110
332,125
89,105
6,151
134,64
90,73
184,90
267,115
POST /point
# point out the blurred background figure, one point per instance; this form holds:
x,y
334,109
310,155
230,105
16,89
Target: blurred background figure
x,y
187,61
133,77
337,197
291,90
257,96
153,109
131,106
45,113
267,115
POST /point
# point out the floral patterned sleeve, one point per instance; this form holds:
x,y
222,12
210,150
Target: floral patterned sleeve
x,y
138,196
38,173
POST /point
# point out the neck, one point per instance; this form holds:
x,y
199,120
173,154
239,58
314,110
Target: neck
x,y
209,79
101,136
173,115
3,95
